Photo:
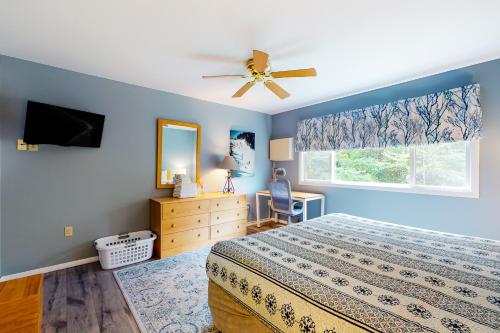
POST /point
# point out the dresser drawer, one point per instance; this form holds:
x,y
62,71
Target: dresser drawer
x,y
228,216
222,230
185,237
177,209
177,224
226,203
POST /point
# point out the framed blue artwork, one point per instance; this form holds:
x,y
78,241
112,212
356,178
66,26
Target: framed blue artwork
x,y
242,149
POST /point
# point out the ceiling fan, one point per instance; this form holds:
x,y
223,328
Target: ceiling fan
x,y
259,69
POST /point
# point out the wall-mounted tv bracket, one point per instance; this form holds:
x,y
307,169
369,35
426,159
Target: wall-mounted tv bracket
x,y
23,146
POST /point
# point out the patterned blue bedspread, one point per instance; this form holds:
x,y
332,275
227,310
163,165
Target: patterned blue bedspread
x,y
342,274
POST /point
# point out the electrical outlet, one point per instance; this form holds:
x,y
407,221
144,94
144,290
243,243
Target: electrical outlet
x,y
68,231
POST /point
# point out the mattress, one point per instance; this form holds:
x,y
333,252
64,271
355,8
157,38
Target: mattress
x,y
342,274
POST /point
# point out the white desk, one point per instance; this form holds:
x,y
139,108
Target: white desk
x,y
303,197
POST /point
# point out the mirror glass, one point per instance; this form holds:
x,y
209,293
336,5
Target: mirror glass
x,y
179,151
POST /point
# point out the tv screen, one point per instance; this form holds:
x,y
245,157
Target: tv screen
x,y
50,124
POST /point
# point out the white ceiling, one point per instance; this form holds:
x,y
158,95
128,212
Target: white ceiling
x,y
355,45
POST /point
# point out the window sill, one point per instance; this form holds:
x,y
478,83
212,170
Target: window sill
x,y
448,192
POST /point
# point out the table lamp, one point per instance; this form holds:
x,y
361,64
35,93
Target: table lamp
x,y
229,164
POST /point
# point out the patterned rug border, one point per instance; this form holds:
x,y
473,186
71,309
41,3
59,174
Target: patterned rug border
x,y
128,300
130,304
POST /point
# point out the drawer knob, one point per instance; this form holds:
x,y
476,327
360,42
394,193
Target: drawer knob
x,y
199,221
172,241
172,225
238,214
238,202
217,217
217,231
199,207
199,235
217,205
238,227
172,210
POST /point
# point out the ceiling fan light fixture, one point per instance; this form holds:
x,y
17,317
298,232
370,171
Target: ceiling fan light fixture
x,y
259,69
244,89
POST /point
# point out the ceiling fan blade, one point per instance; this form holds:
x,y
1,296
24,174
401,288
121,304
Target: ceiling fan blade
x,y
295,73
219,76
244,89
280,92
260,60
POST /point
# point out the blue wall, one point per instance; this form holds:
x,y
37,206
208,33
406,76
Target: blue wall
x,y
479,217
99,191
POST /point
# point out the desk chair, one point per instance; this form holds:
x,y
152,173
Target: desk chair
x,y
281,199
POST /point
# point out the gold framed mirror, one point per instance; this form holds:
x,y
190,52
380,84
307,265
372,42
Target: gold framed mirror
x,y
178,151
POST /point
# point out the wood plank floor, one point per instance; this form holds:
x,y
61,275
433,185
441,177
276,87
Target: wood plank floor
x,y
263,227
87,299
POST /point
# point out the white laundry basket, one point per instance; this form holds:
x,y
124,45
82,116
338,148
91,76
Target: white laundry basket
x,y
125,249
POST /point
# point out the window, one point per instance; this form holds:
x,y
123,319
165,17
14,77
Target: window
x,y
443,169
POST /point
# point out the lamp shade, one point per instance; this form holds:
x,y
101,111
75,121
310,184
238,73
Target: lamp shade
x,y
229,163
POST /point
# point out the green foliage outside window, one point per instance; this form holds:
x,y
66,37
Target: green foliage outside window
x,y
317,165
442,165
390,165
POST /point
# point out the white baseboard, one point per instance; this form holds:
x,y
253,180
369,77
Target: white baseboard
x,y
49,268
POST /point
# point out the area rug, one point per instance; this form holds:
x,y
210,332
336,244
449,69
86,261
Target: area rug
x,y
169,295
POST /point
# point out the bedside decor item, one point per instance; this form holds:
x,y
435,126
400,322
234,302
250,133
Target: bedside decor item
x,y
280,150
124,249
178,152
229,164
242,148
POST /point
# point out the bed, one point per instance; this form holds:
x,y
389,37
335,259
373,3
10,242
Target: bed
x,y
342,274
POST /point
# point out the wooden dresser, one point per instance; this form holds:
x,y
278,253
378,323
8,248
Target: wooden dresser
x,y
187,224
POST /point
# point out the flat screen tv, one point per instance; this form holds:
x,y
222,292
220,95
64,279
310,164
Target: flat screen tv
x,y
55,125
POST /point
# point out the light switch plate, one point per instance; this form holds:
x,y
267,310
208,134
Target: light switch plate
x,y
68,231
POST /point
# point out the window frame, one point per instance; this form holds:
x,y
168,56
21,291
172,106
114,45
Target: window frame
x,y
472,165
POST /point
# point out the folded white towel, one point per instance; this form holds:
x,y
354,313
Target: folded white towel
x,y
187,191
184,187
